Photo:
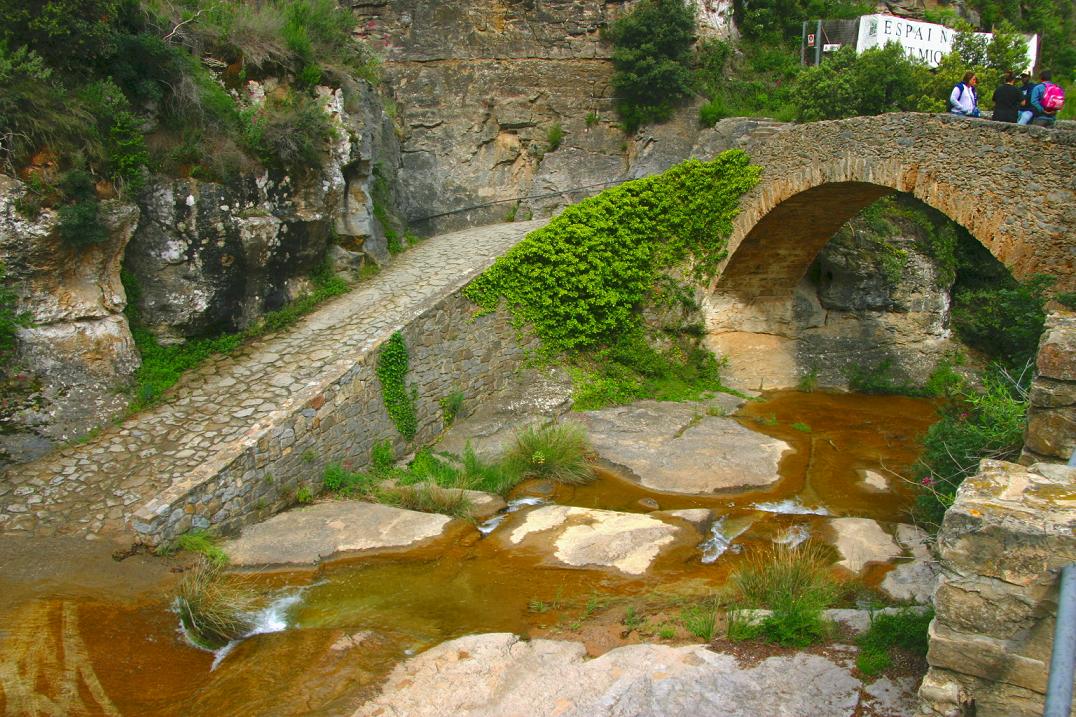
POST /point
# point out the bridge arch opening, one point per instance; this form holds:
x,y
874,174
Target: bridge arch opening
x,y
789,305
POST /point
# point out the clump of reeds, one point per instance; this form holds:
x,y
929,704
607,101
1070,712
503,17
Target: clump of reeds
x,y
215,607
556,452
796,584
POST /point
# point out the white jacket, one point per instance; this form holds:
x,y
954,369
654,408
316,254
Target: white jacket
x,y
963,102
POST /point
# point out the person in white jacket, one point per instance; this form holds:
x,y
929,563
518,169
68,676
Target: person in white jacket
x,y
964,100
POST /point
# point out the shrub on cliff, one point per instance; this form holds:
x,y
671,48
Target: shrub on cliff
x,y
651,59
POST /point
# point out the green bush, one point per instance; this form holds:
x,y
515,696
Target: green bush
x,y
976,424
35,109
651,59
1004,322
780,21
70,35
554,136
905,630
848,85
292,135
392,367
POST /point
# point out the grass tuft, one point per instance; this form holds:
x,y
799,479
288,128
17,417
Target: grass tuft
x,y
906,630
557,452
795,584
199,541
214,607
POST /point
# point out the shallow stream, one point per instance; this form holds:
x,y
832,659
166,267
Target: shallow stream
x,y
331,635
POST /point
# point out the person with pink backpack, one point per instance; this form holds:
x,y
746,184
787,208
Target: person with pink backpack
x,y
1047,99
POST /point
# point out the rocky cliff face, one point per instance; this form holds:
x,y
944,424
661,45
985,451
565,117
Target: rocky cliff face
x,y
78,353
211,258
480,85
207,258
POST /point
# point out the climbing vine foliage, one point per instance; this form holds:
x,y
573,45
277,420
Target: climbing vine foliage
x,y
580,279
392,367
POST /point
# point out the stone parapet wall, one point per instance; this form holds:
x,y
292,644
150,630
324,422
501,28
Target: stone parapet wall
x,y
1002,546
1051,418
341,420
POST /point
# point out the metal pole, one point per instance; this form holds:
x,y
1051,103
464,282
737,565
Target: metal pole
x,y
818,44
803,44
1063,658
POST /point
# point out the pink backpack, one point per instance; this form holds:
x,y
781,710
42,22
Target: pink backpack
x,y
1053,97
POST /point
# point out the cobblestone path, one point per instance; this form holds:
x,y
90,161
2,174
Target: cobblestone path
x,y
93,489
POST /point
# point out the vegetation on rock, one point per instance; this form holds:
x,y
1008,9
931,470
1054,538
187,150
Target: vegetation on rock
x,y
392,367
116,87
584,281
904,630
433,481
794,583
557,452
651,60
214,607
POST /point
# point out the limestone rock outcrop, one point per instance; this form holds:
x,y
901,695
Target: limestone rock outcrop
x,y
210,257
675,448
1051,417
500,674
1002,545
77,351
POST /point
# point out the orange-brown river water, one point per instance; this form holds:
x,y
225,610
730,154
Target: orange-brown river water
x,y
81,634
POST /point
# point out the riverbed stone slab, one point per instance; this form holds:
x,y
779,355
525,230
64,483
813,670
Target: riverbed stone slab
x,y
628,542
875,481
678,448
914,580
861,541
307,535
499,674
698,517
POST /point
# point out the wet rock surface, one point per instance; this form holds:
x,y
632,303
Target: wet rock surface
x,y
628,542
679,448
916,579
861,541
307,535
499,674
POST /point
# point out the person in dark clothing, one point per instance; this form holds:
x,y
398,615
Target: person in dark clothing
x,y
1007,99
1025,86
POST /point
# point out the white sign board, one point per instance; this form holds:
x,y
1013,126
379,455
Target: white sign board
x,y
920,40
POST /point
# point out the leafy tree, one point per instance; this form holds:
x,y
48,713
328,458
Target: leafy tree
x,y
69,34
1053,20
848,85
782,20
651,59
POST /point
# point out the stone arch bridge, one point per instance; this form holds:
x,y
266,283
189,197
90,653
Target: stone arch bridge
x,y
240,436
1013,188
